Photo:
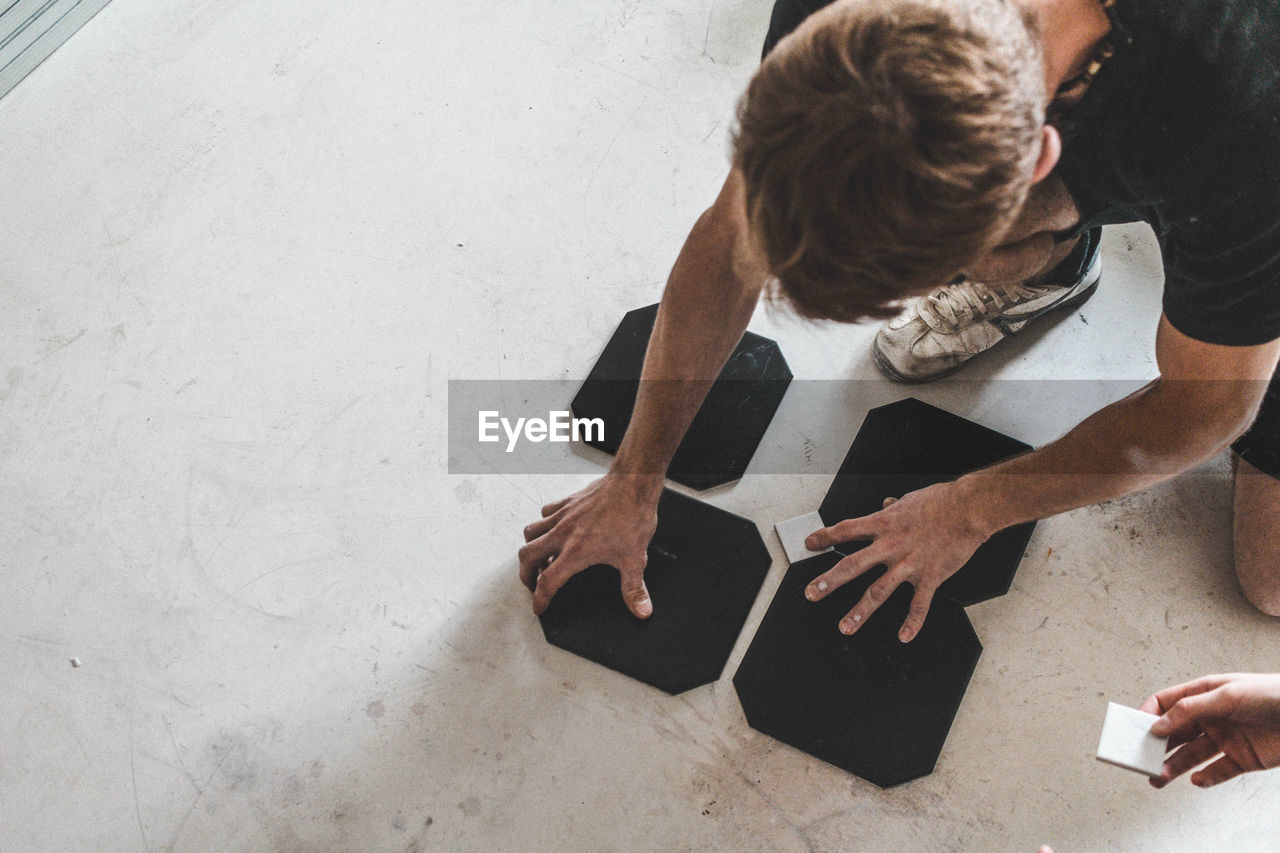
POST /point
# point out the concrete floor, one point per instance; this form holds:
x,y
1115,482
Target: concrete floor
x,y
246,245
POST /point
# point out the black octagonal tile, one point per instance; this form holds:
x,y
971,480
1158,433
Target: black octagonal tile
x,y
733,418
868,704
908,445
705,569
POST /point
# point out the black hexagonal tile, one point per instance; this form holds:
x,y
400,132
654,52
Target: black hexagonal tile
x,y
733,418
705,569
868,704
908,445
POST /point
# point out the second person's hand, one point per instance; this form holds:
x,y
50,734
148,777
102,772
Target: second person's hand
x,y
1234,718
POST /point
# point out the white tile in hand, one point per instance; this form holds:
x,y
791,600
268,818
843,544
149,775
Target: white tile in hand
x,y
794,531
1126,740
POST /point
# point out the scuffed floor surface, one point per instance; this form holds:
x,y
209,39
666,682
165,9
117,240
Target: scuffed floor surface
x,y
246,245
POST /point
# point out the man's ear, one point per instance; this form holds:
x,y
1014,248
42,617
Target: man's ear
x,y
1050,151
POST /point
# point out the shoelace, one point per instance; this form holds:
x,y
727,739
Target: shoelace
x,y
970,300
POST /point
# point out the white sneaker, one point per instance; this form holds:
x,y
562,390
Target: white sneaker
x,y
938,334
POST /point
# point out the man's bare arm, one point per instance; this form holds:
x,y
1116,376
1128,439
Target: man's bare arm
x,y
709,298
1206,397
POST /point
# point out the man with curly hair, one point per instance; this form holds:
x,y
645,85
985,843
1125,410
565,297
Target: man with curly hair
x,y
948,164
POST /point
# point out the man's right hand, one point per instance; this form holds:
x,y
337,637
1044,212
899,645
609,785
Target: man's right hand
x,y
713,288
610,521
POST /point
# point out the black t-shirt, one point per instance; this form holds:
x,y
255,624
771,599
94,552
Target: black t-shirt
x,y
1181,129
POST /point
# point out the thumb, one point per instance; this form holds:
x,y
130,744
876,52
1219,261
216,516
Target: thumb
x,y
888,502
1185,714
636,596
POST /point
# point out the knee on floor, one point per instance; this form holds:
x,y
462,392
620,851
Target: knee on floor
x,y
1262,594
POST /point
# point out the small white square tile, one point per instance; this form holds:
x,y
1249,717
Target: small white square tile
x,y
794,531
1126,740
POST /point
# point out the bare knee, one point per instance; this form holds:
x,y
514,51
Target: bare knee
x,y
1262,594
1018,262
1256,530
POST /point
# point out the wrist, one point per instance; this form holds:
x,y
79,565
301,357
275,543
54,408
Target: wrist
x,y
640,487
639,468
984,503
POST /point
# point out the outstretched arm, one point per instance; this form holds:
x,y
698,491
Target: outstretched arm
x,y
709,298
1206,396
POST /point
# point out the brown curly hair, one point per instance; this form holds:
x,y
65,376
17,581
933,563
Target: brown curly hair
x,y
886,145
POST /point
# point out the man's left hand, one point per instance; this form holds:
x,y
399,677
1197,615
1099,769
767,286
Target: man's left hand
x,y
923,539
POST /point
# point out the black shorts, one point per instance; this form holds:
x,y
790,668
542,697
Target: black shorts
x,y
1260,446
